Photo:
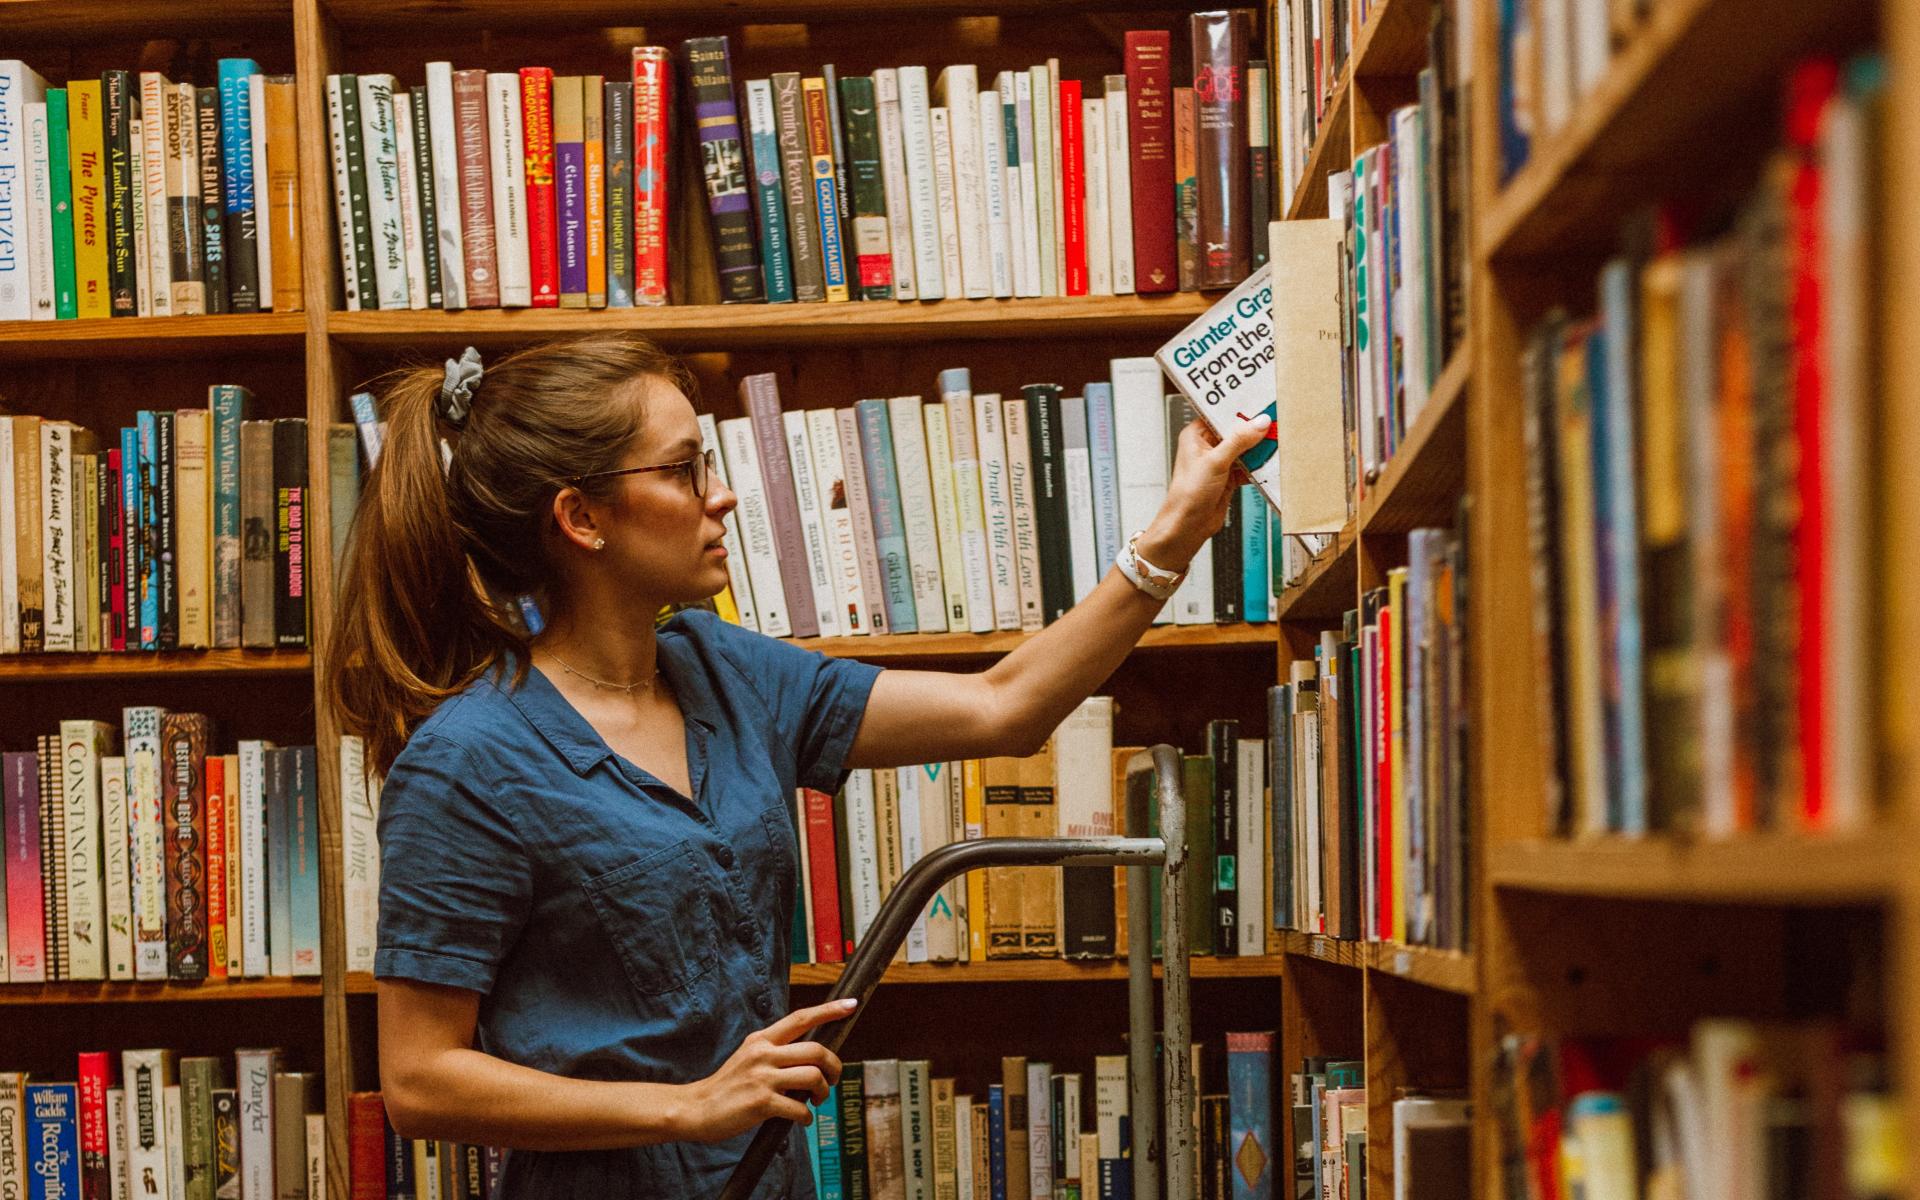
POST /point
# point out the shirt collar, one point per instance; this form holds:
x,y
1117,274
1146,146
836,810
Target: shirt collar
x,y
568,732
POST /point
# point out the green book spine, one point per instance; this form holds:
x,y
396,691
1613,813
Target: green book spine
x,y
198,1078
116,88
873,253
428,217
343,485
1197,788
66,299
213,209
357,192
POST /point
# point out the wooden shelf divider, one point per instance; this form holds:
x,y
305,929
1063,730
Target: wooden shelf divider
x,y
150,337
1042,970
41,668
155,991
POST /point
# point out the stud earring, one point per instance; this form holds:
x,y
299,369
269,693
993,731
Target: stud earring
x,y
599,543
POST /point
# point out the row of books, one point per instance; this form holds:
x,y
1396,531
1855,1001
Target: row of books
x,y
969,512
136,196
158,857
1735,1108
1313,39
1553,53
480,189
1431,1151
1700,456
154,1124
186,531
1369,772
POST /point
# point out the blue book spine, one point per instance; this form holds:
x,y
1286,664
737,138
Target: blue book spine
x,y
1627,749
1254,539
399,1166
279,875
827,1184
1108,537
303,860
1250,1113
148,429
997,1140
769,193
826,199
889,518
53,1141
1516,141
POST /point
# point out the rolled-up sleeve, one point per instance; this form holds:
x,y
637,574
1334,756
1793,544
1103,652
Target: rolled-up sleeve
x,y
816,702
456,881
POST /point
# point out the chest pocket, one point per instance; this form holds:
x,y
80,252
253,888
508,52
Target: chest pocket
x,y
783,847
659,914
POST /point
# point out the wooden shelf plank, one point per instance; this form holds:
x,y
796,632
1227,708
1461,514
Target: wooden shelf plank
x,y
1393,42
42,668
1038,971
1443,970
1321,948
710,327
155,991
1756,870
151,337
1422,481
1332,151
992,645
77,21
1696,74
1328,588
504,14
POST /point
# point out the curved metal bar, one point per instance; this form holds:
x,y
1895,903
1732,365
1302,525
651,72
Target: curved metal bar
x,y
1177,1035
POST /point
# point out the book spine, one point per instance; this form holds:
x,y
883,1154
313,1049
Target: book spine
x,y
290,532
474,186
376,287
619,136
822,169
132,539
242,233
86,159
922,194
1097,225
1150,135
834,499
20,86
593,114
1102,438
859,507
303,860
154,90
1220,41
710,83
212,208
146,827
419,218
802,221
1047,449
1260,185
1224,546
889,518
81,745
956,391
739,581
1042,102
738,440
537,157
111,554
53,1156
769,193
760,397
56,543
96,1073
219,810
1076,465
873,250
1024,176
570,189
842,182
1186,189
993,174
192,544
229,405
251,817
276,788
118,112
895,182
254,1071
257,524
26,914
813,525
997,509
441,162
960,95
824,872
947,200
53,853
66,300
183,749
652,167
184,214
1118,112
360,854
1073,187
116,872
916,499
28,529
507,171
9,557
137,201
1020,499
344,227
276,145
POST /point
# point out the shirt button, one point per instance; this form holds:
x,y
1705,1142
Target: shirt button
x,y
725,856
761,1004
743,929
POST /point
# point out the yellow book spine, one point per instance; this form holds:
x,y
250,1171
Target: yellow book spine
x,y
1397,745
592,95
192,557
973,808
87,159
813,94
725,608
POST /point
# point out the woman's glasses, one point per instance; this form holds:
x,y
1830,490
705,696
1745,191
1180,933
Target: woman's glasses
x,y
699,469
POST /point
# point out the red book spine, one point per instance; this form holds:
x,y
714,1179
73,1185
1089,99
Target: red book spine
x,y
1150,136
652,159
823,869
543,221
96,1076
1383,780
367,1147
1073,183
216,776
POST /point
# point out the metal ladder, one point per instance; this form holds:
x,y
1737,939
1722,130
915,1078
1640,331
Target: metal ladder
x,y
1158,1151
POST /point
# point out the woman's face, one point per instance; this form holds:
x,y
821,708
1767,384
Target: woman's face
x,y
659,533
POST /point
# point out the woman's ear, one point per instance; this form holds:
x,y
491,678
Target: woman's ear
x,y
574,517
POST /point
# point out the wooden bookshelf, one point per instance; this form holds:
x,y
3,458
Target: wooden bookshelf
x,y
1421,483
1331,151
156,338
1753,870
178,664
1039,971
1326,588
158,992
509,14
919,646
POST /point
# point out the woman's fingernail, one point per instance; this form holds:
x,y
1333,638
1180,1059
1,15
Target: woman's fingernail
x,y
849,1002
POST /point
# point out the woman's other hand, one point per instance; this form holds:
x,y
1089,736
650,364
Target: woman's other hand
x,y
752,1085
1206,476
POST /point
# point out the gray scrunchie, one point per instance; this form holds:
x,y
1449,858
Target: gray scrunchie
x,y
456,391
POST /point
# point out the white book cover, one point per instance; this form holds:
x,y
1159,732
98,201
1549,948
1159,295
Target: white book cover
x,y
1026,533
117,1186
253,1072
20,86
1119,186
82,745
963,1147
1193,600
863,869
737,578
956,396
922,197
410,231
946,202
342,194
9,548
946,514
813,524
1250,882
1110,1102
137,199
1040,1127
382,152
997,510
153,181
146,1074
956,830
894,181
931,786
1057,188
316,1144
56,539
993,175
254,959
959,94
1140,439
1076,463
1082,780
1024,283
141,727
1409,212
360,850
262,206
1592,44
37,246
505,145
445,172
1093,138
756,525
906,793
1027,232
853,469
830,494
916,499
117,876
1046,206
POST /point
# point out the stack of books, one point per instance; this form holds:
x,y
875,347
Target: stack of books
x,y
186,530
1700,454
1369,778
135,196
515,189
168,1127
157,857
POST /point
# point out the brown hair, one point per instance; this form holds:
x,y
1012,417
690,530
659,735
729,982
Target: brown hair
x,y
437,558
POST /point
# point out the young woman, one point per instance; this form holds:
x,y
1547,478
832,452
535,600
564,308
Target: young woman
x,y
587,859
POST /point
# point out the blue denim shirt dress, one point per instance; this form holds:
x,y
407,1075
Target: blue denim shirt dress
x,y
615,928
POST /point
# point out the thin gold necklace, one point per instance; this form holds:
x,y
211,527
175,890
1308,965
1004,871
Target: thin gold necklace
x,y
626,689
